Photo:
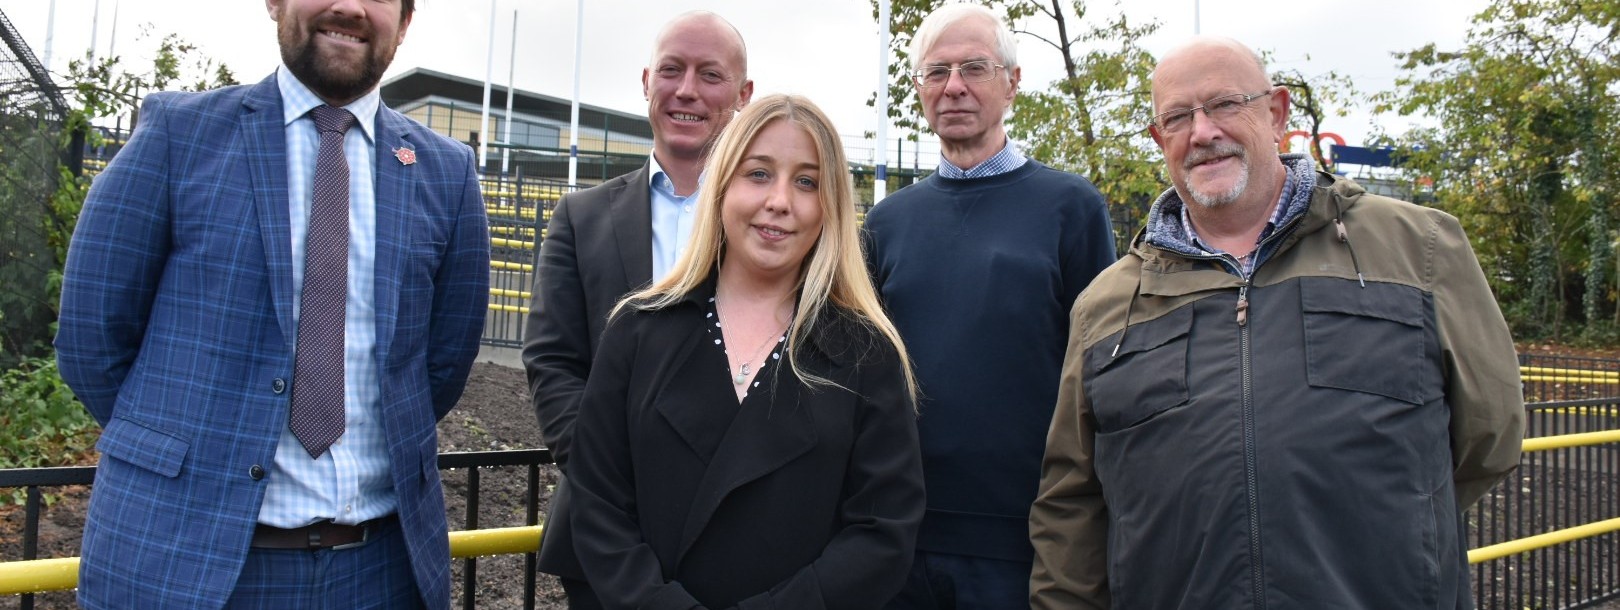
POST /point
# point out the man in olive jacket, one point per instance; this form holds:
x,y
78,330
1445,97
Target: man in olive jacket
x,y
1285,395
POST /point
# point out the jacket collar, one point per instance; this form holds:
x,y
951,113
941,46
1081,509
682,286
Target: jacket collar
x,y
835,336
1164,271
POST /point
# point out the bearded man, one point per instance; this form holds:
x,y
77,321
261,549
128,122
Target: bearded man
x,y
274,293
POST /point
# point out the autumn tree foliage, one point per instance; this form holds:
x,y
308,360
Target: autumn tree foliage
x,y
1518,143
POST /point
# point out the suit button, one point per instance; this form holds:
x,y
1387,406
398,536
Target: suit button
x,y
257,471
278,386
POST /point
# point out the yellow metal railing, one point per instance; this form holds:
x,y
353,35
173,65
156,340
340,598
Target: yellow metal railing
x,y
511,266
1565,441
1539,541
511,243
41,575
510,294
1542,373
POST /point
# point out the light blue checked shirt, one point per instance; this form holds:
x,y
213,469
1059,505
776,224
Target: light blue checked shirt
x,y
349,483
1009,159
671,218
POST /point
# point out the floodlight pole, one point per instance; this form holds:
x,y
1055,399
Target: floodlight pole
x,y
489,75
511,92
880,175
573,111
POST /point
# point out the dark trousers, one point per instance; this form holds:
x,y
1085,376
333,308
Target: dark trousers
x,y
376,574
944,581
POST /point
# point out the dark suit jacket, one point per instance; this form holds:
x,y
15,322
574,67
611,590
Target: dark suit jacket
x,y
801,498
177,334
598,247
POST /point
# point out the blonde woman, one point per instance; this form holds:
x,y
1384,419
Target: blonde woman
x,y
747,436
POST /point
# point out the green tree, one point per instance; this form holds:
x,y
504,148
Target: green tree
x,y
1517,151
1316,99
41,423
1092,119
101,89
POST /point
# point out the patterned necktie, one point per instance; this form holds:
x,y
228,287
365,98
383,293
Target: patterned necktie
x,y
317,397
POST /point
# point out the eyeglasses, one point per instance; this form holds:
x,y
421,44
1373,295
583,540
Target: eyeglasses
x,y
972,72
1218,109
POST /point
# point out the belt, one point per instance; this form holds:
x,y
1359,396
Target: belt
x,y
318,535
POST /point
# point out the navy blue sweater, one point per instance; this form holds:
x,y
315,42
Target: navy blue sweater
x,y
978,276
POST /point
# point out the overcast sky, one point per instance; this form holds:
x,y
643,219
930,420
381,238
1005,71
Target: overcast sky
x,y
825,49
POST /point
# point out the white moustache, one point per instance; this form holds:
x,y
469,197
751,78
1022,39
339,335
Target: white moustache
x,y
1204,154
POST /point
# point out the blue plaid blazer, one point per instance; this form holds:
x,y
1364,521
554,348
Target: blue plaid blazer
x,y
176,332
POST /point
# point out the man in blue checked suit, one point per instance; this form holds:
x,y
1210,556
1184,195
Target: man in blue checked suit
x,y
274,293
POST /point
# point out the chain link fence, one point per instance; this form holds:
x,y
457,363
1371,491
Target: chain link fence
x,y
32,113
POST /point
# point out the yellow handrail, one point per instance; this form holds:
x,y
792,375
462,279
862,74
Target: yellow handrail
x,y
1547,370
1530,543
1596,381
511,243
495,541
511,266
1565,441
40,575
511,294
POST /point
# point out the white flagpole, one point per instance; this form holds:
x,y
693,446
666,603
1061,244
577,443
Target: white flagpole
x,y
573,112
880,184
95,21
112,44
511,92
489,75
50,33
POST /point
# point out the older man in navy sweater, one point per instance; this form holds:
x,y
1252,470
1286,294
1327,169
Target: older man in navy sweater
x,y
978,265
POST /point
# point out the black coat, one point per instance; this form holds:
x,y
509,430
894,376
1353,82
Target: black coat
x,y
598,247
804,497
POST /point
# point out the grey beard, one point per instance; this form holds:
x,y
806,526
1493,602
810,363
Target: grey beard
x,y
1215,200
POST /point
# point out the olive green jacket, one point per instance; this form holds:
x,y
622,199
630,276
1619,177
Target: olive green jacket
x,y
1314,448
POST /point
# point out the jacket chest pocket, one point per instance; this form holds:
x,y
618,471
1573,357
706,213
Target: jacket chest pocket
x,y
1147,376
1372,340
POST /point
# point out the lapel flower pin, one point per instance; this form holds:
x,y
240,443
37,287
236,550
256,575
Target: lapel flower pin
x,y
406,156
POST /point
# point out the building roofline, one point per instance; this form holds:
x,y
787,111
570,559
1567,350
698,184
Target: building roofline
x,y
420,83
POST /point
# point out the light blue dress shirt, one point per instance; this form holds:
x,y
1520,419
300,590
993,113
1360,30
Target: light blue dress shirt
x,y
350,483
671,218
1009,159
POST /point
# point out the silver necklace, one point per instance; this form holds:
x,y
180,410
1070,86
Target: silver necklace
x,y
741,376
742,372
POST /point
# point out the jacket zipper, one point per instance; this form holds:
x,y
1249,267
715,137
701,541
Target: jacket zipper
x,y
1256,569
1256,573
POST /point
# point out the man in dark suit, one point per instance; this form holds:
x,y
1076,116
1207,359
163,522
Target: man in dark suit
x,y
274,293
607,240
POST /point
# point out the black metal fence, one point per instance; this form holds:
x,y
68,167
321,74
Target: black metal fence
x,y
32,117
1552,490
1556,378
474,463
32,480
519,208
1555,490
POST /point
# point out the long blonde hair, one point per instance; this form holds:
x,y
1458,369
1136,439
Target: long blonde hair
x,y
835,270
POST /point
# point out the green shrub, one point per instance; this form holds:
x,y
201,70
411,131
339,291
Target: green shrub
x,y
41,423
